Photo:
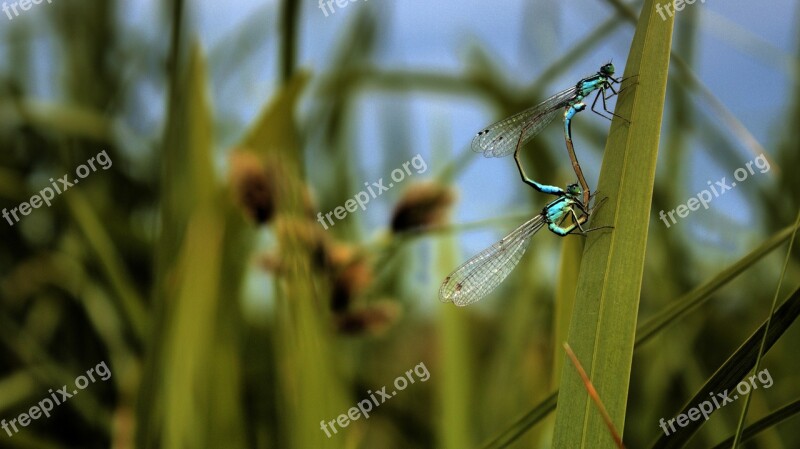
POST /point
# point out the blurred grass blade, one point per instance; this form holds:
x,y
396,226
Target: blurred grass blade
x,y
70,119
734,369
47,371
111,263
746,407
309,389
524,424
767,422
187,359
688,302
456,394
189,379
604,322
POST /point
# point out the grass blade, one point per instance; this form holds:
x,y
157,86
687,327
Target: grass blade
x,y
774,418
524,424
688,302
740,426
735,368
604,323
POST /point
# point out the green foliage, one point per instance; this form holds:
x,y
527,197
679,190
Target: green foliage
x,y
229,317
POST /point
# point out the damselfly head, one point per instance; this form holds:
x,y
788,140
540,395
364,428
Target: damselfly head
x,y
607,69
574,189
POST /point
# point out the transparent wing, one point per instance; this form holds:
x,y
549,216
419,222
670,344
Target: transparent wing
x,y
500,139
480,275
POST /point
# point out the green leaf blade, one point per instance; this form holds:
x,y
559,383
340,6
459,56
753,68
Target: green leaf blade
x,y
602,331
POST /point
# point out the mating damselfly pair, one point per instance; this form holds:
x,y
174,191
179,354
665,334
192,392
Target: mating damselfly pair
x,y
481,274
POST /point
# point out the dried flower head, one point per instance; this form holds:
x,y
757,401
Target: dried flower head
x,y
253,185
423,205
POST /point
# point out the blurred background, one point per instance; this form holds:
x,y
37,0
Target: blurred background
x,y
196,267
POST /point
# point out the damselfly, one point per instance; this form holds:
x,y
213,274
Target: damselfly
x,y
481,274
507,136
500,139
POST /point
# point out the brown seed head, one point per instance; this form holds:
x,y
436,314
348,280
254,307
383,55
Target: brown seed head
x,y
423,205
253,185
